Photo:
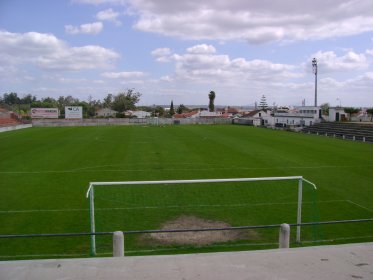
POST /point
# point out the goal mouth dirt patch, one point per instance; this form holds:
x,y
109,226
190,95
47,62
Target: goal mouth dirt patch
x,y
199,237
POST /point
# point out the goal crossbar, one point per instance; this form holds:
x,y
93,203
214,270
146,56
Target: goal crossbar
x,y
90,194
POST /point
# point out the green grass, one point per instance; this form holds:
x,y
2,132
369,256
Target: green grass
x,y
50,169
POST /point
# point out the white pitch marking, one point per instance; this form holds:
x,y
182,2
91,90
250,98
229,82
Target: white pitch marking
x,y
361,206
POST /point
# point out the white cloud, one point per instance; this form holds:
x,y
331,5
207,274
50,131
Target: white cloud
x,y
201,63
201,49
123,75
100,2
254,21
109,15
48,52
162,54
328,61
88,28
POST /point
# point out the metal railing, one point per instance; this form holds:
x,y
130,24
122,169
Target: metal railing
x,y
118,236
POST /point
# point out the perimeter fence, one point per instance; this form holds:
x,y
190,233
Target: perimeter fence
x,y
118,237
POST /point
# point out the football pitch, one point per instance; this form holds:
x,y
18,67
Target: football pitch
x,y
45,173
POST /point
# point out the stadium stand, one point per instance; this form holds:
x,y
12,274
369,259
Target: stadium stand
x,y
8,118
350,131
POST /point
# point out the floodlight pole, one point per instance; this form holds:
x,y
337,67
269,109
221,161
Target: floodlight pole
x,y
314,68
92,217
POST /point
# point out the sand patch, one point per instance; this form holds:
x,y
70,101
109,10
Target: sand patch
x,y
197,238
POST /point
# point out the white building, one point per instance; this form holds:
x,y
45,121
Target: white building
x,y
337,114
259,117
303,116
141,114
106,112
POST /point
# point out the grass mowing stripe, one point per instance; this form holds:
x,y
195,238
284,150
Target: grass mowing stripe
x,y
83,169
169,206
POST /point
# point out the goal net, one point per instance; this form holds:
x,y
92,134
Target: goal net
x,y
207,203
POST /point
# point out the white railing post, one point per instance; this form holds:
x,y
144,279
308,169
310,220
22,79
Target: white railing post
x,y
92,218
118,244
284,236
299,214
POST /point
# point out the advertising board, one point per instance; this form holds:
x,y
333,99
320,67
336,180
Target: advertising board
x,y
73,112
44,113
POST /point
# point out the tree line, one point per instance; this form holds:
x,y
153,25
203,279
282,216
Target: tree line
x,y
121,102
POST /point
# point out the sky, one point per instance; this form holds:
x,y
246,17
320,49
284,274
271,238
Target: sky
x,y
181,50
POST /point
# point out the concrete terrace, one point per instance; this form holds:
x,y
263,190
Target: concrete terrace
x,y
352,261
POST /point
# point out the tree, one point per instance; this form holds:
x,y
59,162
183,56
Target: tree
x,y
172,110
370,112
263,103
325,108
350,111
11,98
181,109
126,100
158,111
211,101
108,101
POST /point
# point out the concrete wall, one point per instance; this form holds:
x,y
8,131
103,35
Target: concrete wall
x,y
126,121
14,127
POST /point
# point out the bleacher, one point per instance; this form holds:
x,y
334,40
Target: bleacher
x,y
8,118
349,131
8,122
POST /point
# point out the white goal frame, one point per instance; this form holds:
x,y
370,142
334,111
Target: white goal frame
x,y
90,195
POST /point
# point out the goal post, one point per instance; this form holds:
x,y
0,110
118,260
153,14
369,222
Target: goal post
x,y
91,194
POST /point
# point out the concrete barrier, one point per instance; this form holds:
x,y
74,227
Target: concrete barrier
x,y
284,236
118,244
14,127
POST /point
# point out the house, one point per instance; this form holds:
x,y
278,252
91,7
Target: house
x,y
185,115
106,112
259,117
337,114
303,116
140,114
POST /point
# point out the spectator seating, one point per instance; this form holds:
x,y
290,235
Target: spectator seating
x,y
351,131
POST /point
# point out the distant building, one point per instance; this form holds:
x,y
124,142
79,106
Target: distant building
x,y
139,114
106,112
337,114
259,117
303,116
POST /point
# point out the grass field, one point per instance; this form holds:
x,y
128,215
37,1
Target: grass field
x,y
45,172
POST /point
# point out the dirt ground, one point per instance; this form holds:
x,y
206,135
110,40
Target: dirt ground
x,y
198,238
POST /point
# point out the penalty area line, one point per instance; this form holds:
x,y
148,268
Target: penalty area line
x,y
358,205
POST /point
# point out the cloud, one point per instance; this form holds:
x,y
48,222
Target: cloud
x,y
123,75
202,63
100,2
109,15
49,53
88,28
329,61
162,54
202,49
254,21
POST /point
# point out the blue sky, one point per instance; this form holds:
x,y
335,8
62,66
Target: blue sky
x,y
172,50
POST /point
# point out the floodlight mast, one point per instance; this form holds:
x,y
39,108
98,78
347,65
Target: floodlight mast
x,y
314,69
